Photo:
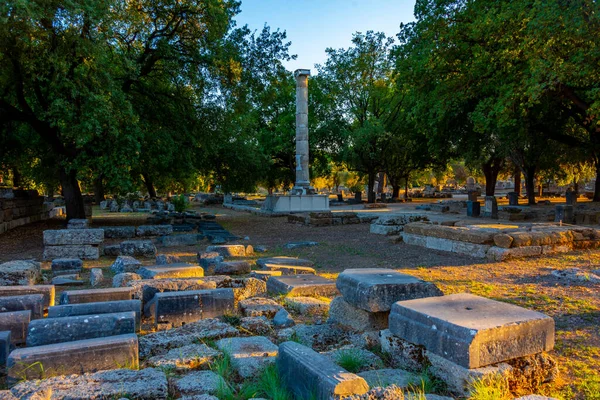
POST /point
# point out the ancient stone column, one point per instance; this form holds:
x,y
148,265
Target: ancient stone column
x,y
302,185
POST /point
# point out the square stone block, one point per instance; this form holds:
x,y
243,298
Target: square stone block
x,y
301,285
249,354
472,331
180,270
376,289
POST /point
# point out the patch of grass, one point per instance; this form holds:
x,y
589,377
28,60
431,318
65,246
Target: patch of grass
x,y
221,365
232,319
426,382
268,385
352,360
490,388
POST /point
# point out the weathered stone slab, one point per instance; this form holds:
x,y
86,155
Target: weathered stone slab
x,y
289,269
299,245
307,374
145,384
68,280
388,376
78,224
123,279
4,348
454,246
233,268
31,302
138,248
259,306
343,313
264,275
146,289
387,230
207,329
249,355
112,250
125,264
119,232
185,239
208,260
20,272
83,251
376,289
286,261
79,327
182,270
228,250
45,290
66,265
104,307
178,308
95,295
197,384
301,285
17,323
62,237
307,305
192,356
462,234
154,230
78,357
166,259
502,254
402,354
472,331
400,219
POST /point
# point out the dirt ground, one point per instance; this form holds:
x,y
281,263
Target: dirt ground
x,y
528,283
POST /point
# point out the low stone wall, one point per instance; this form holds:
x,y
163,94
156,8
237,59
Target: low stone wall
x,y
394,224
22,207
325,218
501,242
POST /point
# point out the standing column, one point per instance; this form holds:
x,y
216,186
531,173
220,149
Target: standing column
x,y
302,185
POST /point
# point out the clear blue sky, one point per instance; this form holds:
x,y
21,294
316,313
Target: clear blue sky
x,y
314,25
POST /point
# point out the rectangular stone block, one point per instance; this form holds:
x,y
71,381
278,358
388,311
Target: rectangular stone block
x,y
119,232
154,230
66,265
177,308
138,248
104,307
45,290
228,250
182,239
309,374
68,358
95,295
31,302
301,285
472,331
343,313
82,251
249,355
180,270
502,254
387,230
146,289
4,348
62,237
376,289
17,323
80,327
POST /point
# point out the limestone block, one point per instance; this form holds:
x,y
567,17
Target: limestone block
x,y
45,290
138,248
285,261
96,276
228,250
21,272
376,289
472,331
103,307
78,224
112,250
301,285
79,327
389,376
307,305
233,268
125,264
190,357
31,302
259,306
343,313
307,373
400,219
119,232
503,240
123,279
197,383
402,353
463,234
500,254
95,295
146,289
387,230
82,251
209,260
166,259
16,322
78,357
182,270
154,230
66,265
249,355
415,240
62,237
4,348
181,239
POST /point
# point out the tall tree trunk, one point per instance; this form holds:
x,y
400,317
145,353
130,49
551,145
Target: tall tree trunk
x,y
72,194
98,189
406,186
491,169
529,173
517,178
16,178
597,184
149,186
395,191
371,188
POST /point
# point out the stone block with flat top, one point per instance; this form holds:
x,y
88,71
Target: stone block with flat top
x,y
103,307
68,358
95,295
62,237
472,331
284,261
16,322
249,355
45,290
376,289
301,285
4,347
66,265
180,270
80,327
309,374
31,302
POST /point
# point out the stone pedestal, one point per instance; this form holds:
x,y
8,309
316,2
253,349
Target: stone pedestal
x,y
571,198
296,203
513,199
472,195
564,213
491,207
473,209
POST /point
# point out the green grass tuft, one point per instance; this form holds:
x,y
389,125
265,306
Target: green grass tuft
x,y
352,360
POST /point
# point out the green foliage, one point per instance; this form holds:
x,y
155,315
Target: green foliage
x,y
181,203
490,388
352,360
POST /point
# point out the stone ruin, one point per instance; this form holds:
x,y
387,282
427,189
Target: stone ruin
x,y
177,317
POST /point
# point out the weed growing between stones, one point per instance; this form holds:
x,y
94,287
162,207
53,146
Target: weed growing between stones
x,y
428,383
490,388
352,360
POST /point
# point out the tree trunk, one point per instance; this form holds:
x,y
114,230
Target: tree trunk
x,y
541,190
395,191
517,178
406,187
149,186
98,190
491,169
529,173
597,184
72,194
16,178
371,188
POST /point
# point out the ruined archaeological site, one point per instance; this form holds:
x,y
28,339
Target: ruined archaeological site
x,y
336,200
